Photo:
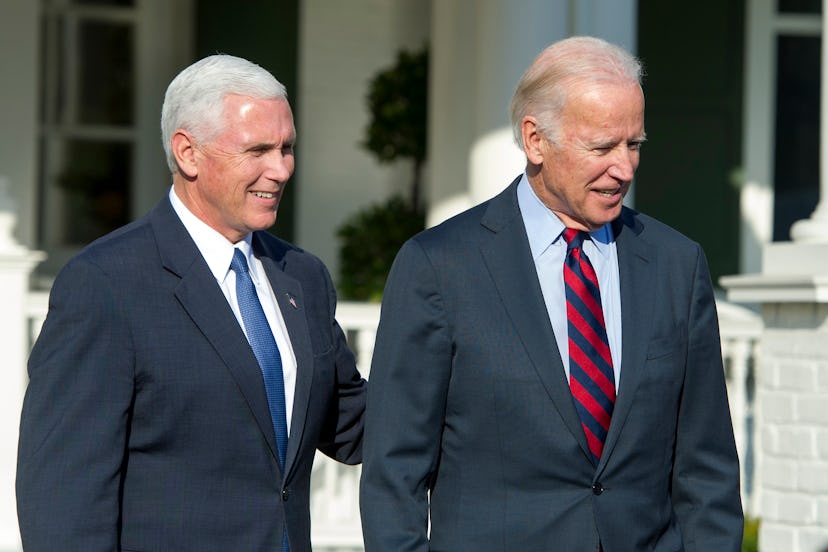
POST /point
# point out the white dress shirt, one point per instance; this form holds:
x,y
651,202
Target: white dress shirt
x,y
545,232
218,252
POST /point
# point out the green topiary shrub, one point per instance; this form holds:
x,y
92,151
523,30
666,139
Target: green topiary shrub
x,y
370,240
398,104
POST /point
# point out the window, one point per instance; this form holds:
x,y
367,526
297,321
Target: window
x,y
104,67
800,6
796,155
87,122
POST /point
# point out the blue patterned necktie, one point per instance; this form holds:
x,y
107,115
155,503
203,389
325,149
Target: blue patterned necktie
x,y
264,347
267,353
591,376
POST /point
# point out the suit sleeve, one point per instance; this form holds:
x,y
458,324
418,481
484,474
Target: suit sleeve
x,y
342,440
705,483
74,421
406,406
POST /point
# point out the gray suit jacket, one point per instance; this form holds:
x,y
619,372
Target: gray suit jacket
x,y
469,405
145,424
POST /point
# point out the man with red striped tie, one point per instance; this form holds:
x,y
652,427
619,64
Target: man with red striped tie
x,y
547,374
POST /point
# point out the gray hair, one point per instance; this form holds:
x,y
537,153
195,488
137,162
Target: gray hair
x,y
576,61
194,100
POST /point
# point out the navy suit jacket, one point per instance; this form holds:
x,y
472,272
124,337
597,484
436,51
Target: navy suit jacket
x,y
470,414
145,425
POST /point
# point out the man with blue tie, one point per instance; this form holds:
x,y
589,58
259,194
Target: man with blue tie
x,y
191,364
547,374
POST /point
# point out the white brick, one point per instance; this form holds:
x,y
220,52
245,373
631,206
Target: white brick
x,y
796,442
779,474
777,343
822,511
812,478
767,373
813,540
822,443
797,376
812,408
822,375
813,346
770,439
777,407
769,505
797,509
776,538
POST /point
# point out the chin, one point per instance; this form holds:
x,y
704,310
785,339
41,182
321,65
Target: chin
x,y
263,223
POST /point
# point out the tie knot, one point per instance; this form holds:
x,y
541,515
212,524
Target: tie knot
x,y
239,262
573,238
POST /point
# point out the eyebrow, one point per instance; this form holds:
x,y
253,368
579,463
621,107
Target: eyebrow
x,y
262,146
266,146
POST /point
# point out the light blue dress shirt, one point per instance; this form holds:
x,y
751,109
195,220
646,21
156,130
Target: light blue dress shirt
x,y
548,247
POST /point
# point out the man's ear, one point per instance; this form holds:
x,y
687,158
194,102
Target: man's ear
x,y
183,148
533,140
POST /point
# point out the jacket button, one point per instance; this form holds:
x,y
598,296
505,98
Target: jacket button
x,y
285,495
597,488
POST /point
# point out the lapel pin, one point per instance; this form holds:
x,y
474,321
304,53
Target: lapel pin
x,y
292,300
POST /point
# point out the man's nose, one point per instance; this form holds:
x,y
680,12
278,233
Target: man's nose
x,y
624,164
279,167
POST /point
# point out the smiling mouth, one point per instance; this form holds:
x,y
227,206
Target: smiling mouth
x,y
264,195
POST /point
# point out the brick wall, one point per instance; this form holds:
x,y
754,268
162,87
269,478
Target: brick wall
x,y
792,400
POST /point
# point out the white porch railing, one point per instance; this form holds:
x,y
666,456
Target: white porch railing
x,y
335,524
334,487
740,329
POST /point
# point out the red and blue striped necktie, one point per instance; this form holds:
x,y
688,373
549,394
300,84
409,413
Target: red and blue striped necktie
x,y
591,377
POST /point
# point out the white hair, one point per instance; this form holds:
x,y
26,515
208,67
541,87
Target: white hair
x,y
565,65
194,100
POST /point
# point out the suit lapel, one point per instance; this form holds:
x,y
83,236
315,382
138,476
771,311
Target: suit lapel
x,y
637,275
199,294
290,298
507,256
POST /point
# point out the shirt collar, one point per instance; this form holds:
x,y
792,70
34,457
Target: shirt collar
x,y
543,227
215,248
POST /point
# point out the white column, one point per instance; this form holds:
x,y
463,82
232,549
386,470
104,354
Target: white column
x,y
479,49
815,229
756,197
163,46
